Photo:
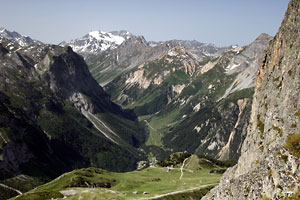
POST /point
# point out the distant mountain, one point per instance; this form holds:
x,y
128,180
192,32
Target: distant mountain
x,y
245,63
199,49
136,51
186,83
96,42
16,37
203,100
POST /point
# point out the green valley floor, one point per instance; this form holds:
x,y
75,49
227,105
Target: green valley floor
x,y
195,176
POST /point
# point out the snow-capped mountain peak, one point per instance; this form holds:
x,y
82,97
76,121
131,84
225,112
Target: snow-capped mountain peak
x,y
18,38
103,36
98,41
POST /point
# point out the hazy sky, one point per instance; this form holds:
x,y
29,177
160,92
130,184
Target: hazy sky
x,y
222,22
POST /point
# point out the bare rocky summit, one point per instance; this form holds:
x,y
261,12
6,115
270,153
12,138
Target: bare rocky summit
x,y
269,164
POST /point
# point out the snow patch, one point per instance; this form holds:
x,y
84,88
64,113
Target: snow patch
x,y
100,35
95,41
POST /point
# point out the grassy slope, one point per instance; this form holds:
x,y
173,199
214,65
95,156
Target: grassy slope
x,y
66,125
158,125
74,140
22,183
154,180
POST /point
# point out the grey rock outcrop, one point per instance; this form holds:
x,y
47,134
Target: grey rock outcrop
x,y
269,165
246,64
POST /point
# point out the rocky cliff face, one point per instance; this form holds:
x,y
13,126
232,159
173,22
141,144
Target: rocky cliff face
x,y
246,64
269,165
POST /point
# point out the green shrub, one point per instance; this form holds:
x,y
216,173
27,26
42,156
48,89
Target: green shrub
x,y
174,159
264,197
218,171
293,144
278,130
297,113
221,163
295,196
41,196
260,125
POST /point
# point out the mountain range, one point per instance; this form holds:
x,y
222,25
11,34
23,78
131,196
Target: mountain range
x,y
170,81
191,104
17,38
112,99
199,88
110,54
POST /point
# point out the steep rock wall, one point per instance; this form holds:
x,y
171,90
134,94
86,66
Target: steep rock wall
x,y
269,165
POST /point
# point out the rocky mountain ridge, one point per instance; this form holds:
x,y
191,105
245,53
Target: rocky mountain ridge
x,y
108,59
54,117
245,63
16,37
96,42
205,103
269,164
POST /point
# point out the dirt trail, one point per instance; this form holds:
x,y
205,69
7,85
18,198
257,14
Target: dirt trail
x,y
10,188
181,169
177,192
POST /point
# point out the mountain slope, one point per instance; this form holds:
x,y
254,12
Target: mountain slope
x,y
246,64
54,117
184,102
215,124
269,165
